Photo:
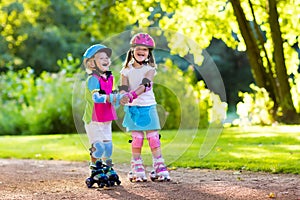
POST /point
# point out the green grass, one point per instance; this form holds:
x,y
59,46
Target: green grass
x,y
270,149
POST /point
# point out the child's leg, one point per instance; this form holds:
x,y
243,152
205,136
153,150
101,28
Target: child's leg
x,y
137,143
100,138
154,143
160,170
137,168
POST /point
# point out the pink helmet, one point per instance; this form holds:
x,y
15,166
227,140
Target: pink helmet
x,y
143,39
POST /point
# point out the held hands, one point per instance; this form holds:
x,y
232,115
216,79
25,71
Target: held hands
x,y
114,98
117,99
131,96
124,100
128,97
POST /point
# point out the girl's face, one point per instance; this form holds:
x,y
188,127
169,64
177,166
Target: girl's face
x,y
102,61
140,53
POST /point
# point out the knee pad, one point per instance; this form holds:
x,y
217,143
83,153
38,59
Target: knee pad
x,y
97,150
137,139
107,149
153,139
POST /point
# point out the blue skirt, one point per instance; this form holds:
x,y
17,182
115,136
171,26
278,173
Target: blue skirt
x,y
141,118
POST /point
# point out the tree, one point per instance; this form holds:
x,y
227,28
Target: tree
x,y
38,33
267,29
271,74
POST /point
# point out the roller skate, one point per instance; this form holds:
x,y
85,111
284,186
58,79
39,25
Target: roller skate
x,y
160,172
113,177
137,173
98,175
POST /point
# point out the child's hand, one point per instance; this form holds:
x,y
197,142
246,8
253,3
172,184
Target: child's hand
x,y
124,100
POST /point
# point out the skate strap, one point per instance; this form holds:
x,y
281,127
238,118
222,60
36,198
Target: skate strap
x,y
160,166
138,167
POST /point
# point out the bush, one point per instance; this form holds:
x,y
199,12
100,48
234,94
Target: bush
x,y
36,105
43,104
186,105
255,108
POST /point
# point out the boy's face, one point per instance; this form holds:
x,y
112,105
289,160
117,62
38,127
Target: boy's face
x,y
140,53
102,60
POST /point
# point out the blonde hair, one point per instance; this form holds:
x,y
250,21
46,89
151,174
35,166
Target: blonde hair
x,y
88,68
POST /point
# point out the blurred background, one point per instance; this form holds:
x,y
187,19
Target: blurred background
x,y
253,44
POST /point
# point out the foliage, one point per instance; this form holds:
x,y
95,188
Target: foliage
x,y
234,69
43,104
256,32
255,108
181,99
36,105
295,90
271,149
253,28
38,33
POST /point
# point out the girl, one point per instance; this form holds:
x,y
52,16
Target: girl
x,y
140,113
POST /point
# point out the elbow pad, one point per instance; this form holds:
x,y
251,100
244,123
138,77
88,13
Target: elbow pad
x,y
147,83
123,87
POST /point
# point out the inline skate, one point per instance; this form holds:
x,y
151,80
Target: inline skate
x,y
113,177
160,171
137,173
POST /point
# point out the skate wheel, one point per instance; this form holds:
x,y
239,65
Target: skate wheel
x,y
138,179
101,185
89,182
111,183
118,182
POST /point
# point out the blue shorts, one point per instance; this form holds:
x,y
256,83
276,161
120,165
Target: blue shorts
x,y
141,118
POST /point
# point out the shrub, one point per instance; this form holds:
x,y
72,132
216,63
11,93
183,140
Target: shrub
x,y
36,105
255,108
44,104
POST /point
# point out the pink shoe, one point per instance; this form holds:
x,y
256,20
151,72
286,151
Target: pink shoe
x,y
137,173
160,171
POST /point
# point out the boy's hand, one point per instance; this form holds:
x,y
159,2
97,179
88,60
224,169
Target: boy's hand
x,y
115,99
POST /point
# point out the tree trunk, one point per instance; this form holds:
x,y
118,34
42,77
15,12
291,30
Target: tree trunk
x,y
286,103
252,51
263,77
271,83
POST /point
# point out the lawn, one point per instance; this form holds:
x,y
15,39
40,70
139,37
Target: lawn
x,y
270,149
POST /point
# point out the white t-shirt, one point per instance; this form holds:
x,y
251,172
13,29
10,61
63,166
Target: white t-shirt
x,y
135,77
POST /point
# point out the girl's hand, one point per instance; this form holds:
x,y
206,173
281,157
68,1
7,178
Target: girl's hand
x,y
124,100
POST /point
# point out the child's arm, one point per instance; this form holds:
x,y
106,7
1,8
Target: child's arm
x,y
98,95
123,88
145,86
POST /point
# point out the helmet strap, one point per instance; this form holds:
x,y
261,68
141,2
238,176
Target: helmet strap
x,y
144,62
99,71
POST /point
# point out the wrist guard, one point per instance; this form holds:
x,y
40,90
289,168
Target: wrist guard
x,y
132,95
99,98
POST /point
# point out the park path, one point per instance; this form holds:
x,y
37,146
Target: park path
x,y
51,180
